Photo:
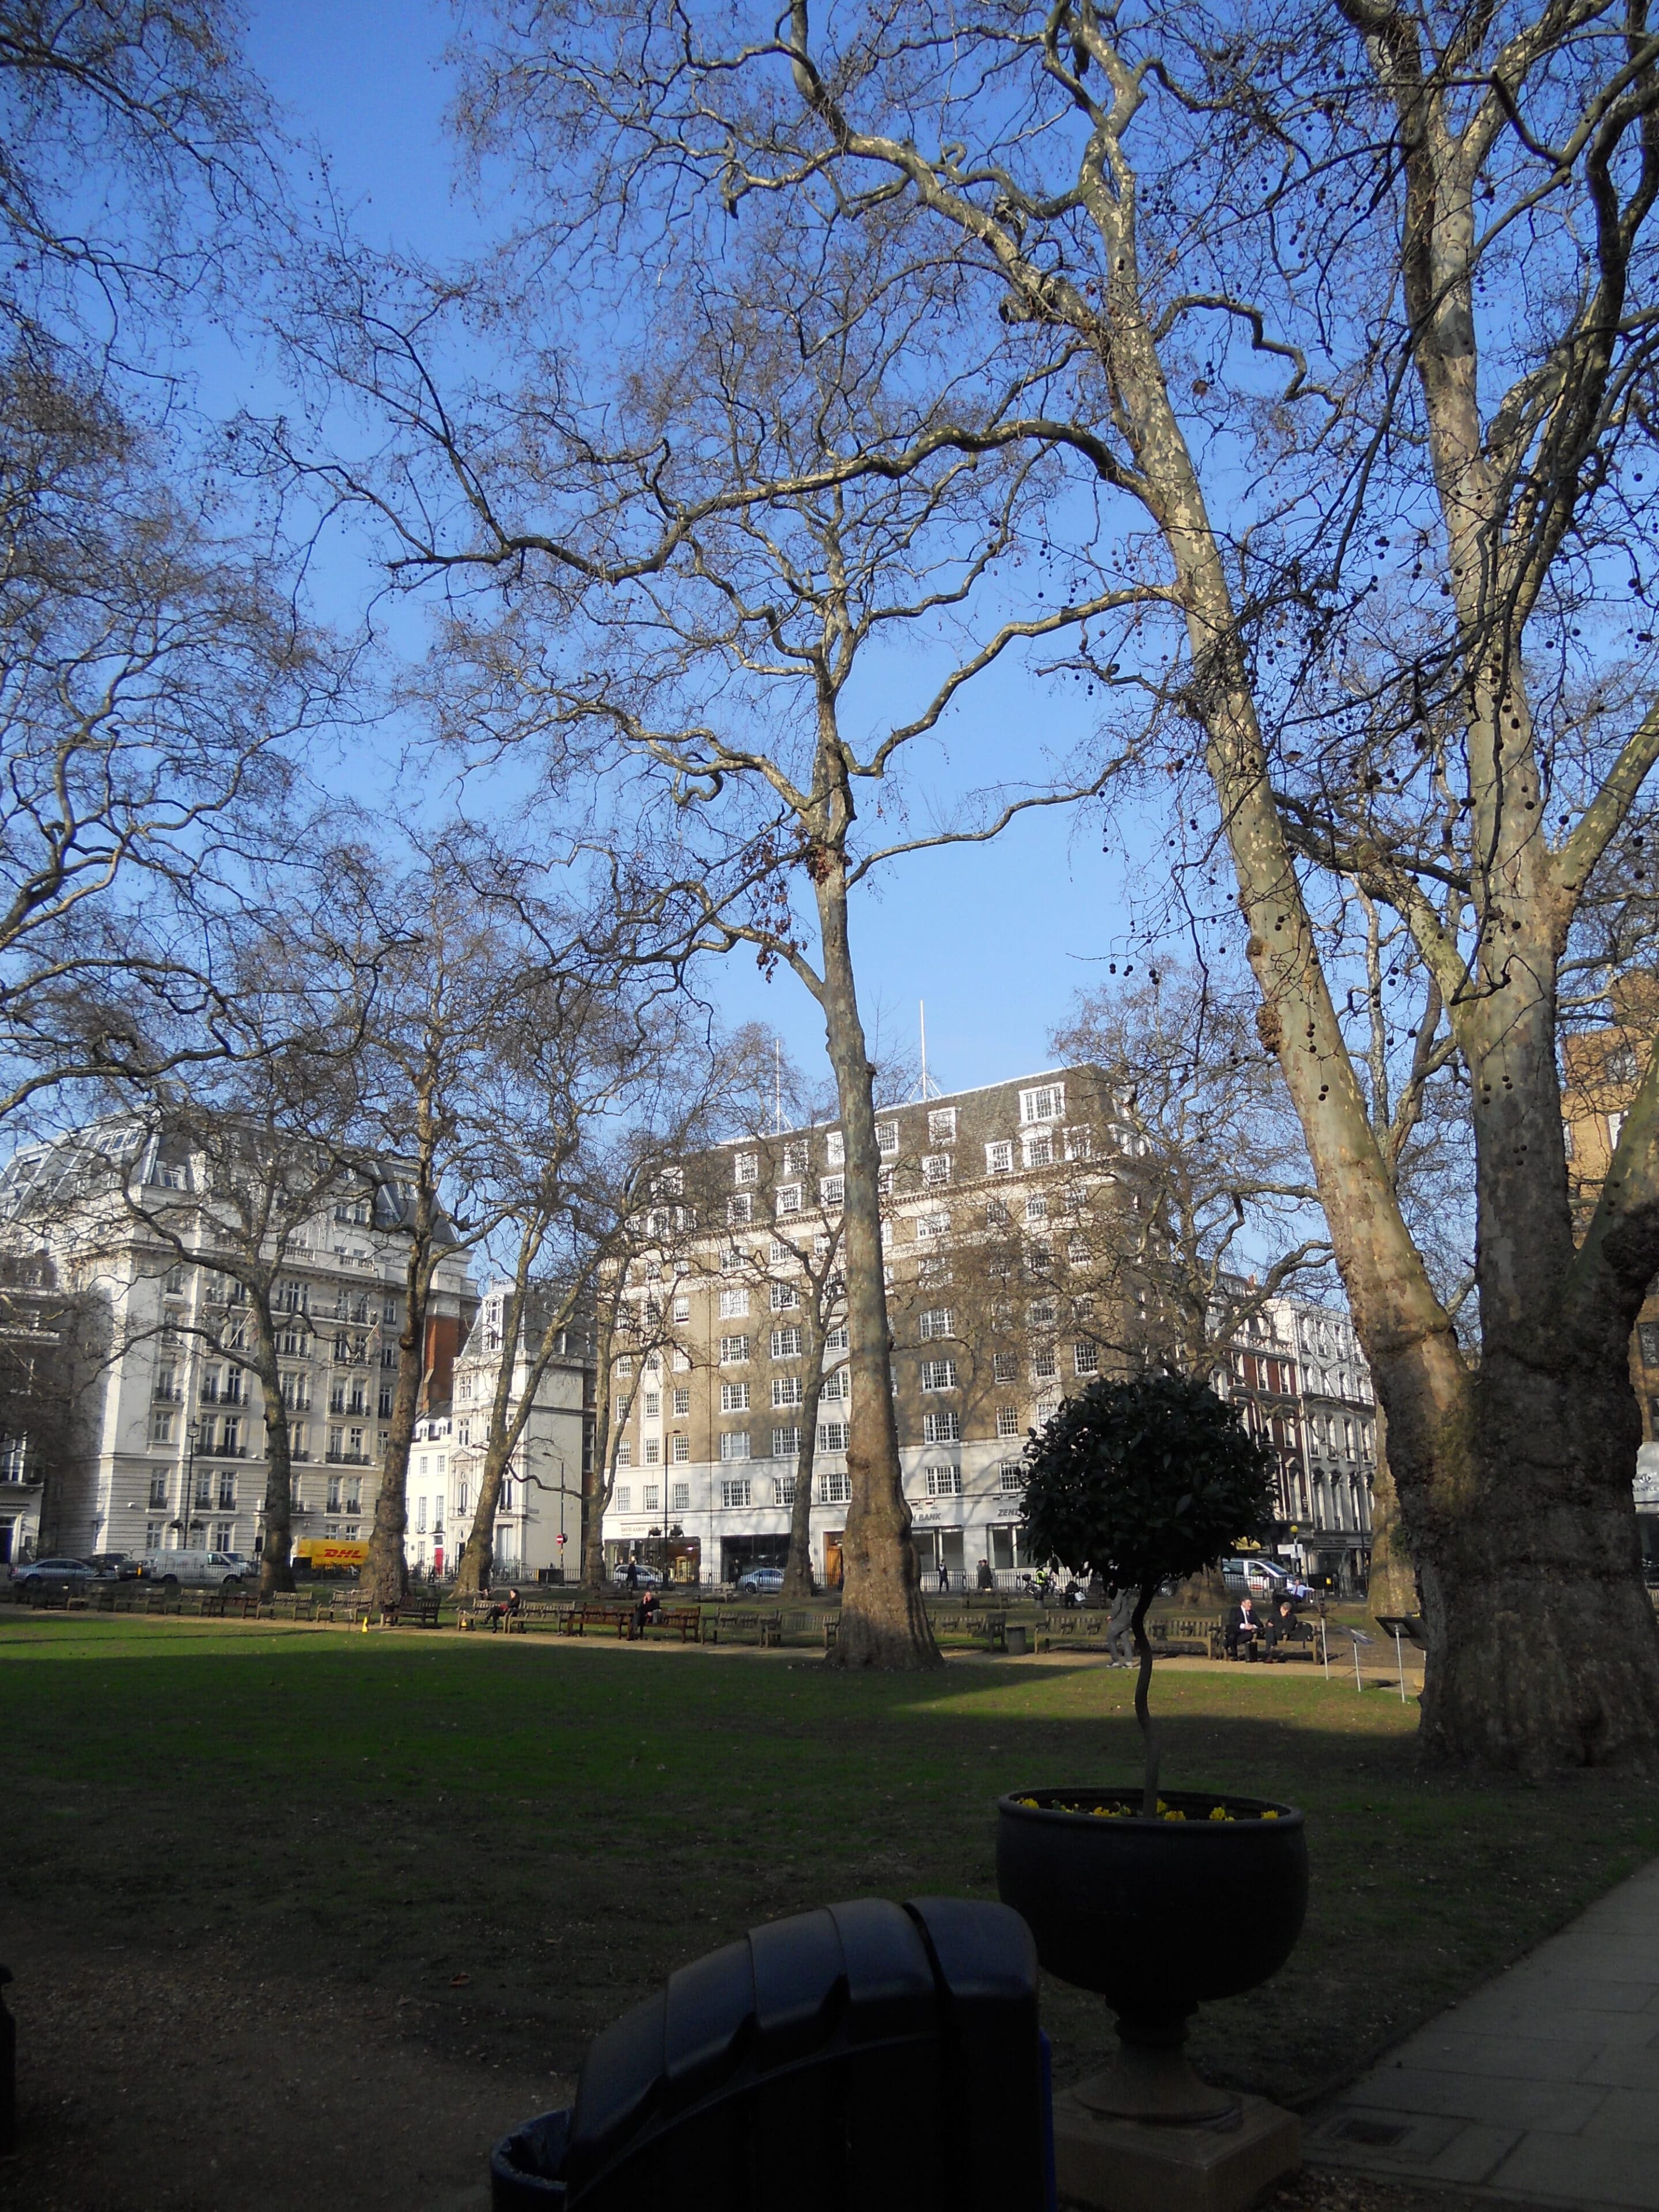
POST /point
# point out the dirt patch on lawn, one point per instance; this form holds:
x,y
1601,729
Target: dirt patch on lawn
x,y
152,2084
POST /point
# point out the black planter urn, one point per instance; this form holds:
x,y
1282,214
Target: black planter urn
x,y
1158,1915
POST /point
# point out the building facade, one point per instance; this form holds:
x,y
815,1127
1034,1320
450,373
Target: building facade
x,y
167,1447
1303,1386
995,1200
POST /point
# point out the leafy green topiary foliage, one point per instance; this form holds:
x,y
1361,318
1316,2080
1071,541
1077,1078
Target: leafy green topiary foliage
x,y
1144,1481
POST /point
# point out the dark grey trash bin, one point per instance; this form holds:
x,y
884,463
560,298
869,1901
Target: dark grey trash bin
x,y
863,2057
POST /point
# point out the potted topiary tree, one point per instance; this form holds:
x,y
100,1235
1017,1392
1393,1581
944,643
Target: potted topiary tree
x,y
1158,1902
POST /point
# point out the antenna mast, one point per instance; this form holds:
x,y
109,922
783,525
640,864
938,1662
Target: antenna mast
x,y
927,1088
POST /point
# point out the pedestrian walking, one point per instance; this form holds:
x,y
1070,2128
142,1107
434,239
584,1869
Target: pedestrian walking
x,y
1120,1635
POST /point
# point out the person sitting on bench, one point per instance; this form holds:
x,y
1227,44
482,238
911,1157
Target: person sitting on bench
x,y
506,1609
1241,1628
1280,1626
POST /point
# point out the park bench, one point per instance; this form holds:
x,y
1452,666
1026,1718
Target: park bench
x,y
686,1623
765,1628
581,1617
1197,1635
413,1611
990,1629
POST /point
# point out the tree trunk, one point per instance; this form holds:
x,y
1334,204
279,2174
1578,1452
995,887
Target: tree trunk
x,y
385,1571
275,1573
1393,1587
883,1622
797,1568
479,1556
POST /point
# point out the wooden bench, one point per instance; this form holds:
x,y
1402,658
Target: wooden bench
x,y
687,1624
412,1611
1197,1635
990,1629
619,1617
765,1628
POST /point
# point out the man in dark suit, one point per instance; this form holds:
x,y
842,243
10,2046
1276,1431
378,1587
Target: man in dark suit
x,y
1241,1629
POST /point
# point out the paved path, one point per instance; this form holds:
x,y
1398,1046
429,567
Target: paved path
x,y
1543,2086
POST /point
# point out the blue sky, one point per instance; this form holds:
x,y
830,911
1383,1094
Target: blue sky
x,y
996,939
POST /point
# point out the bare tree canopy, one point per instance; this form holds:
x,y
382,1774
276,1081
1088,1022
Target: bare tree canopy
x,y
1344,326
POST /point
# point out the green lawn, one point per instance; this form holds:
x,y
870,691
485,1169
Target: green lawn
x,y
565,1826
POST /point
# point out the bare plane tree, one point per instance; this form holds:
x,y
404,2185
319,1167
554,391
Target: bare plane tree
x,y
1347,322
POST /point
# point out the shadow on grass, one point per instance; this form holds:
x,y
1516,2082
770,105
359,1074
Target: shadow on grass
x,y
565,1826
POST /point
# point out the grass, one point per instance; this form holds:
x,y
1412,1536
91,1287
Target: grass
x,y
564,1827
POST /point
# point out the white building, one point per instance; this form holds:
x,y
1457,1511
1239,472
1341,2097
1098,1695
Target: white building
x,y
169,1449
538,1515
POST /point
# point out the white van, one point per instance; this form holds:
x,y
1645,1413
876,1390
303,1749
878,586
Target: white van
x,y
195,1569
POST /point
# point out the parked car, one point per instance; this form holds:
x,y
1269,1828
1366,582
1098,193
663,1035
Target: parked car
x,y
644,1577
59,1574
761,1582
192,1570
1258,1575
119,1564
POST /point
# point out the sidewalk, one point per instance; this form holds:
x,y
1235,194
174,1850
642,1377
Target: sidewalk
x,y
1543,2086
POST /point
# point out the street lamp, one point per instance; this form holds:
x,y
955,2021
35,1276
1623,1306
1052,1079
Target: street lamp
x,y
190,1430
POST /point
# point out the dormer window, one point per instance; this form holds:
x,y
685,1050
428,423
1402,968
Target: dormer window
x,y
1045,1103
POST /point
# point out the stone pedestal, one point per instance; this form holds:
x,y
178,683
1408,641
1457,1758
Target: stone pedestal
x,y
1137,2166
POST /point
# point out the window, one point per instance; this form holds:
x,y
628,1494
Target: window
x,y
795,1156
786,1344
227,1495
786,1390
740,1210
832,1190
670,1183
933,1226
1037,1209
786,1444
734,1349
682,1404
1041,1313
1007,1421
834,1489
1086,1358
384,1406
734,1397
1039,1258
832,1437
1004,1367
624,1454
736,1490
682,1309
835,1338
784,1297
834,1150
624,1498
887,1141
734,1306
1621,1065
731,1261
942,1125
996,1214
789,1198
936,1170
938,1374
1038,1151
932,1269
1048,1405
1080,1143
783,1489
734,1443
1047,1103
653,1405
1044,1366
838,1387
679,1498
1011,1475
652,1451
158,1493
161,1427
944,1482
1077,1251
935,1321
747,1167
679,1448
941,1428
1000,1159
